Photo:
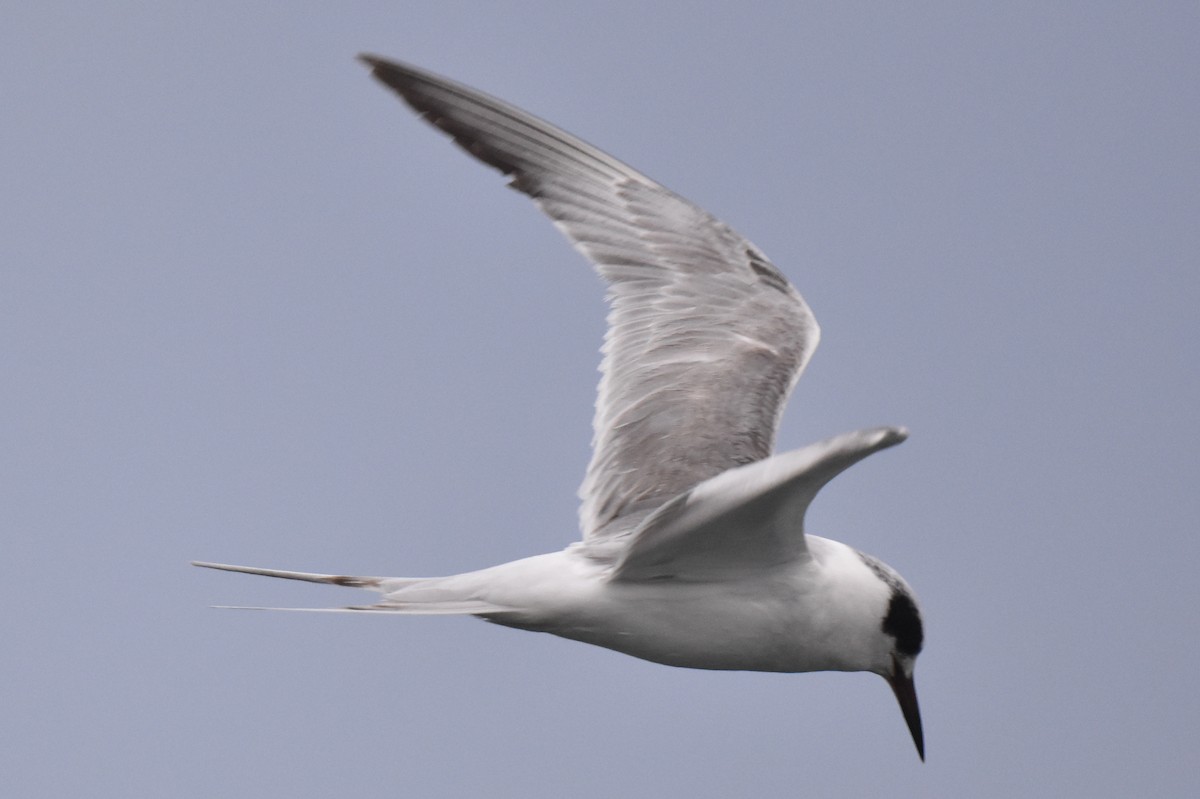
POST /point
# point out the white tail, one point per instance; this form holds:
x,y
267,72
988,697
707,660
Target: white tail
x,y
423,596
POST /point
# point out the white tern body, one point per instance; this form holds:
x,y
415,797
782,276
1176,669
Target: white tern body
x,y
694,552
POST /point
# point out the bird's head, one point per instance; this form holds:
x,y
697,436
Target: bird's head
x,y
898,640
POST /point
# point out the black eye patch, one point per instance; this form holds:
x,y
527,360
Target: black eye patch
x,y
903,622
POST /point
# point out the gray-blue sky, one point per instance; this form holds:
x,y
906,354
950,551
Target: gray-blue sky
x,y
253,311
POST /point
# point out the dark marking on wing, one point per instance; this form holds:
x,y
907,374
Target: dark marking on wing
x,y
767,272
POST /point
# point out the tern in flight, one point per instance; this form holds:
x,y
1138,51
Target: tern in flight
x,y
693,550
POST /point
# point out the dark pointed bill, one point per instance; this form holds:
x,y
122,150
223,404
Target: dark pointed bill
x,y
906,695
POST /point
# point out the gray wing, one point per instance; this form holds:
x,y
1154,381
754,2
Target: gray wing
x,y
746,520
706,337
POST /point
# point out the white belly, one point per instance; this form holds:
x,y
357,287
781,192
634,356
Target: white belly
x,y
766,625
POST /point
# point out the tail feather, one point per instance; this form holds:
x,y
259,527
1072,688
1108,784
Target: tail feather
x,y
427,596
329,579
472,608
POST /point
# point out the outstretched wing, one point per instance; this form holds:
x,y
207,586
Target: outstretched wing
x,y
706,337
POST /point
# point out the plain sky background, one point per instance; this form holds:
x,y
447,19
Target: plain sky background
x,y
252,310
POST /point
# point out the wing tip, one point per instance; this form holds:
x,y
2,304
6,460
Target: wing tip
x,y
877,438
373,61
397,75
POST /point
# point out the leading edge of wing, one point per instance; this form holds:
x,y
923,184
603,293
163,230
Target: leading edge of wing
x,y
748,518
